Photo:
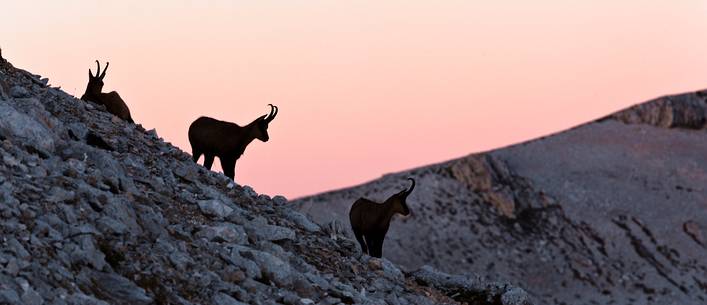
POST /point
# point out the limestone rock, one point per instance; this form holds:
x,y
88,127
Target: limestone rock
x,y
215,208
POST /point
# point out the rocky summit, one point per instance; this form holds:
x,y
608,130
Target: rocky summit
x,y
610,212
95,210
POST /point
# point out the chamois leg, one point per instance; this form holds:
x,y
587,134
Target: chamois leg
x,y
208,161
375,242
195,155
229,166
233,173
359,237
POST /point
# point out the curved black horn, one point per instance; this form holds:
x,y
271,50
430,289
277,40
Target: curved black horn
x,y
412,187
98,70
273,112
104,70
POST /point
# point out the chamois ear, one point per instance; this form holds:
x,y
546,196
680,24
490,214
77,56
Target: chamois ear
x,y
90,74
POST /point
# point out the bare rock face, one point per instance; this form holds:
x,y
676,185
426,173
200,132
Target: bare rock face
x,y
676,111
693,229
610,212
100,211
497,184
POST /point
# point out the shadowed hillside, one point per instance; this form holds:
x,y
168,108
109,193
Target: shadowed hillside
x,y
610,212
95,210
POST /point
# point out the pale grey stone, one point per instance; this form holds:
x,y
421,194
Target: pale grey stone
x,y
214,208
19,92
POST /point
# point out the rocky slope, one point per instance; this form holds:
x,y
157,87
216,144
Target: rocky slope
x,y
95,210
610,212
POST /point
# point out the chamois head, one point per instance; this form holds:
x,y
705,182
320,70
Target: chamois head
x,y
398,200
95,83
260,127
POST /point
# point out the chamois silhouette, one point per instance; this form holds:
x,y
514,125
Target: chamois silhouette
x,y
226,140
111,100
370,220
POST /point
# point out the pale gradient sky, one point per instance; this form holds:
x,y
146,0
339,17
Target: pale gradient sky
x,y
365,87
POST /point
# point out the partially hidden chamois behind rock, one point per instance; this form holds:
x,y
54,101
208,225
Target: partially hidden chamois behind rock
x,y
111,100
370,220
225,140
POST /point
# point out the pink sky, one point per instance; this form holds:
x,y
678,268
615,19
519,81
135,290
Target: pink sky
x,y
364,87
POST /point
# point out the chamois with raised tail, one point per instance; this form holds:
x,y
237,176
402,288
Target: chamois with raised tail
x,y
370,220
225,140
111,100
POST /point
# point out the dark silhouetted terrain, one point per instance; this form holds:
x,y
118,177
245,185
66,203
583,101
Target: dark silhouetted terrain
x,y
610,212
94,210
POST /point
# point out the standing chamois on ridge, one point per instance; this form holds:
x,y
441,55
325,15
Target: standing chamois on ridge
x,y
226,140
370,220
111,100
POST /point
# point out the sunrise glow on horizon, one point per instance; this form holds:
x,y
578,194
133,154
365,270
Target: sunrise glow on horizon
x,y
364,88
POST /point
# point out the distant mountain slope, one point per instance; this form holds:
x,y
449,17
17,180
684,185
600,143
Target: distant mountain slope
x,y
609,212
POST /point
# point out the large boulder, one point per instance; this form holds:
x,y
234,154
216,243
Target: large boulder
x,y
24,129
471,289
